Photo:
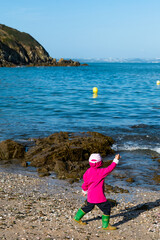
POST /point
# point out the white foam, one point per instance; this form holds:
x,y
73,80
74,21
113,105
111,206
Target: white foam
x,y
128,147
157,149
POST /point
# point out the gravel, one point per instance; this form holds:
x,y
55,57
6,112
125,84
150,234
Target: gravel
x,y
43,208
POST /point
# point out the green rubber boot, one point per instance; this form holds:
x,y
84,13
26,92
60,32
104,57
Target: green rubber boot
x,y
79,215
105,223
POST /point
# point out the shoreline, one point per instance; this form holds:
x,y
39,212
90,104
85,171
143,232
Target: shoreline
x,y
57,153
112,181
36,208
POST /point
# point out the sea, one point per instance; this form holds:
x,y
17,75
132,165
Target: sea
x,y
38,101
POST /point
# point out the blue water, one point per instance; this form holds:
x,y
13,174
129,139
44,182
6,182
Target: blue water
x,y
37,101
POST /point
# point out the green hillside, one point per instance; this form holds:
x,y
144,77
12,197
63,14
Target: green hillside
x,y
19,48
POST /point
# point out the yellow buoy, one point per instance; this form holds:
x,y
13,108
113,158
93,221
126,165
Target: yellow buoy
x,y
158,82
95,90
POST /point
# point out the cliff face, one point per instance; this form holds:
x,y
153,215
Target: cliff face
x,y
19,48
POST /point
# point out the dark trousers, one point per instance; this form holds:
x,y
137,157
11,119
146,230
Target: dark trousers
x,y
104,206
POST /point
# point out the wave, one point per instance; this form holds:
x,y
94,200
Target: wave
x,y
128,147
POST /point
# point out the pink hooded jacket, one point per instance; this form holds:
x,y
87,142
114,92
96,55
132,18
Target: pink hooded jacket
x,y
94,181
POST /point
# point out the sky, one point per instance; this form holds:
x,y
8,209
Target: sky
x,y
88,28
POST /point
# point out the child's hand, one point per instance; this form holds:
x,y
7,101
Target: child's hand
x,y
117,156
84,194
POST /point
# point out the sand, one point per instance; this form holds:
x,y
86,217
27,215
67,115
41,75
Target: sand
x,y
43,208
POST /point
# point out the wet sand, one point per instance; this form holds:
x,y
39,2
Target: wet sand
x,y
41,208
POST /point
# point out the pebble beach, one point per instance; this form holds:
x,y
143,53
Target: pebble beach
x,y
43,208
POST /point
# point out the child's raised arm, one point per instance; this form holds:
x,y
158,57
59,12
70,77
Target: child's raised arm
x,y
111,167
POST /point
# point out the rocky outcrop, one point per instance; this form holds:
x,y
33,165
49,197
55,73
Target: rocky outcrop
x,y
64,153
67,153
11,150
70,62
19,48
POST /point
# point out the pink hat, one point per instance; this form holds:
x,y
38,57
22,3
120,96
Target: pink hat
x,y
95,158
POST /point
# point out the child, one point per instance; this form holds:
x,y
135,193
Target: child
x,y
93,186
